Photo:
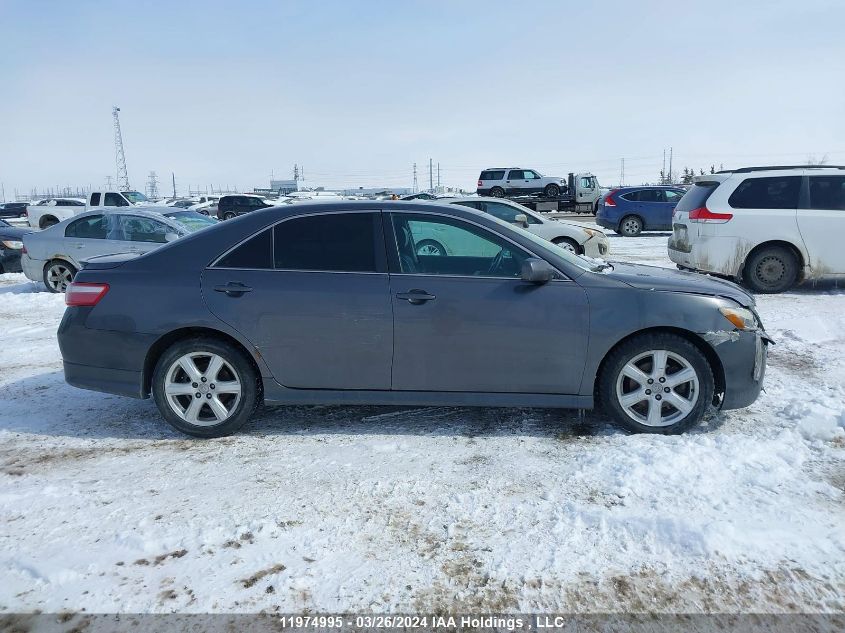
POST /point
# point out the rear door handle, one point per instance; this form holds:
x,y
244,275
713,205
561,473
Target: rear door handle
x,y
233,289
415,297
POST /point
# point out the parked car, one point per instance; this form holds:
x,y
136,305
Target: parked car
x,y
771,227
229,207
13,210
631,210
55,254
572,236
500,181
11,246
209,207
51,211
332,303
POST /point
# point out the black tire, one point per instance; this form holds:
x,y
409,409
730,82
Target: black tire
x,y
771,269
565,242
250,381
57,274
497,192
642,345
552,190
596,207
204,211
431,245
228,215
630,226
47,221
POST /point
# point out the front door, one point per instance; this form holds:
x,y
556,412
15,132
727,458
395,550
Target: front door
x,y
465,321
822,225
312,295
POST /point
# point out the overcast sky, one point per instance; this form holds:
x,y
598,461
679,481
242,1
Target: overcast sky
x,y
224,93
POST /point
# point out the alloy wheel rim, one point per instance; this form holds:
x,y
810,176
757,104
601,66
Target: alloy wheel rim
x,y
657,388
202,388
631,227
429,249
59,276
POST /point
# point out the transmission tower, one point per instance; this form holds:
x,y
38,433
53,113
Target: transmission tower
x,y
108,183
152,186
119,156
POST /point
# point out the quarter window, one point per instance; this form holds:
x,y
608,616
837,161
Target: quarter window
x,y
256,252
444,246
779,192
827,192
332,242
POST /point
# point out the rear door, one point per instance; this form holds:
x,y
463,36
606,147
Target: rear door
x,y
312,294
92,236
465,321
822,224
516,182
141,235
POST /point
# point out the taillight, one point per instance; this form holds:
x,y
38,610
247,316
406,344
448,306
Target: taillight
x,y
608,199
703,214
23,250
85,294
479,183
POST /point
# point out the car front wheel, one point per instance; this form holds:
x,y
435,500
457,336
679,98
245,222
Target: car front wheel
x,y
228,215
656,383
206,387
568,244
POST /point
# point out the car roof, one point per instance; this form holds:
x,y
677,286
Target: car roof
x,y
670,187
746,170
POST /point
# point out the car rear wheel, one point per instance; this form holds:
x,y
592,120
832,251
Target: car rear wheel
x,y
568,244
771,269
205,387
228,215
497,192
58,274
431,247
656,383
552,191
630,226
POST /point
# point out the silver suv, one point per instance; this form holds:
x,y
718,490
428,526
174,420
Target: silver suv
x,y
501,181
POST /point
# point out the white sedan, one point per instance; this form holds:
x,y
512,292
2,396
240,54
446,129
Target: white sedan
x,y
572,236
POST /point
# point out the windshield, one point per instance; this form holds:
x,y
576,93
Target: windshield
x,y
191,220
135,197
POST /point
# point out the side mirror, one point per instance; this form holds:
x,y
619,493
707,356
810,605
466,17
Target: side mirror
x,y
521,219
170,237
537,271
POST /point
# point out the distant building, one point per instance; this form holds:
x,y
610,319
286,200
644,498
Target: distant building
x,y
376,191
284,186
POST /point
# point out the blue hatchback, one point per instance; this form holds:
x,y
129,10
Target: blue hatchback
x,y
631,210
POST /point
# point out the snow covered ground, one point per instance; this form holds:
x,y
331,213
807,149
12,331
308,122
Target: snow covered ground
x,y
104,508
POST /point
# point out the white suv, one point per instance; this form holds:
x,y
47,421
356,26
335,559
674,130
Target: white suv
x,y
770,227
501,181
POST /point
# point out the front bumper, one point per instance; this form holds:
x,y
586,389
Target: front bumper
x,y
596,246
743,358
10,260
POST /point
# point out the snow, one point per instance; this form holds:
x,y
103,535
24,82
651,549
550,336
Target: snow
x,y
105,508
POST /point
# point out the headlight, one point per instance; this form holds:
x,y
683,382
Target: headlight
x,y
741,318
592,232
14,244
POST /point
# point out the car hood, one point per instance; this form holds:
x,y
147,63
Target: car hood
x,y
669,280
13,233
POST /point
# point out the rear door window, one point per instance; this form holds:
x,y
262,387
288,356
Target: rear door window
x,y
94,227
333,242
827,192
516,174
777,192
138,229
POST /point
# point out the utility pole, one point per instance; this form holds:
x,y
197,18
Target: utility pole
x,y
108,183
296,172
663,171
670,167
438,174
622,175
415,178
430,175
119,156
173,180
152,186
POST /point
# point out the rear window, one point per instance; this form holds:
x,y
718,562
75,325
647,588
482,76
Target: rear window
x,y
492,175
779,192
696,196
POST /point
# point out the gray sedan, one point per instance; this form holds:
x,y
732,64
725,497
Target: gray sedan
x,y
334,303
55,254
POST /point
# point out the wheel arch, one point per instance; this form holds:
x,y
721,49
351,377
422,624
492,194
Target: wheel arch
x,y
795,250
703,346
45,217
161,345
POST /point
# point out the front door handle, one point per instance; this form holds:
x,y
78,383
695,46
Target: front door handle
x,y
415,297
233,289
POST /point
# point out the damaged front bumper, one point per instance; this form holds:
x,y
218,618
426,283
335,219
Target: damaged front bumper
x,y
743,358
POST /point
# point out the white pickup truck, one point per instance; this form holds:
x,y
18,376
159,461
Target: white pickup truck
x,y
49,212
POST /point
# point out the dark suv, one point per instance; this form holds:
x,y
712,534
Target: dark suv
x,y
231,206
13,210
